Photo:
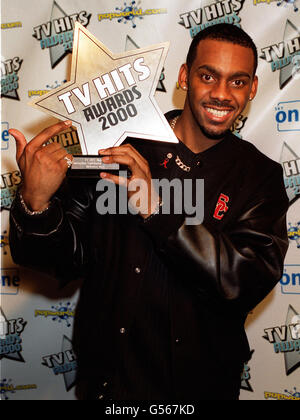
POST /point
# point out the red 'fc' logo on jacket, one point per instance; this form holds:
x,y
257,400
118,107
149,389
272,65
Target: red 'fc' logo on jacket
x,y
221,207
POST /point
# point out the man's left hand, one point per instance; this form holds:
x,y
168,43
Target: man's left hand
x,y
141,176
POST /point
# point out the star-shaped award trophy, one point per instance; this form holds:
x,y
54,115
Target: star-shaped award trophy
x,y
109,97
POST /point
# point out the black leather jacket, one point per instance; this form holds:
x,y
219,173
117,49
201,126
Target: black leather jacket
x,y
222,268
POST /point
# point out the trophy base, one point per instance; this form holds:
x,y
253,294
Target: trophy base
x,y
91,166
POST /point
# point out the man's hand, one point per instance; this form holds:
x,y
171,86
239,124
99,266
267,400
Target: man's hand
x,y
141,176
43,168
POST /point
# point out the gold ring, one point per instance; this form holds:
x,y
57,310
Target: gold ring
x,y
69,162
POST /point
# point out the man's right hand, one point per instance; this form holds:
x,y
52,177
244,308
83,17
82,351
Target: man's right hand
x,y
43,168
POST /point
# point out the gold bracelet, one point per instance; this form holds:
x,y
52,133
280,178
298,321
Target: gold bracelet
x,y
29,212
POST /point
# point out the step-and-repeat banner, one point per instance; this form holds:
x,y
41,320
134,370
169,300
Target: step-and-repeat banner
x,y
36,317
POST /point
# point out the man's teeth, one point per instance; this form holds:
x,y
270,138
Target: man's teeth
x,y
217,113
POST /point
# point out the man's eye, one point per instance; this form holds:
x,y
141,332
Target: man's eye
x,y
207,78
238,83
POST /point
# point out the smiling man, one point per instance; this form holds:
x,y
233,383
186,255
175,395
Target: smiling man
x,y
219,85
163,303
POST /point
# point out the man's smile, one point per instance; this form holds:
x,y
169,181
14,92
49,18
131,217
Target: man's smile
x,y
218,115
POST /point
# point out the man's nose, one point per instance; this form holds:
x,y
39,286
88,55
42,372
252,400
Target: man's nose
x,y
221,92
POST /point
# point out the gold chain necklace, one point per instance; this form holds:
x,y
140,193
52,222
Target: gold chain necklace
x,y
174,122
178,160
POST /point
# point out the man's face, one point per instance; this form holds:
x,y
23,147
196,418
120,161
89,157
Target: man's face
x,y
220,83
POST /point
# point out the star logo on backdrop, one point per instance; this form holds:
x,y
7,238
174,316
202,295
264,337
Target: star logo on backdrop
x,y
69,376
58,52
287,160
63,363
292,359
287,73
289,53
14,348
9,78
57,33
246,377
110,96
285,340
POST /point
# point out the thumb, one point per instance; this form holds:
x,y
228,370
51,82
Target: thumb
x,y
21,142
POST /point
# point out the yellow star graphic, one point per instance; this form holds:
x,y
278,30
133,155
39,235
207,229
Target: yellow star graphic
x,y
110,96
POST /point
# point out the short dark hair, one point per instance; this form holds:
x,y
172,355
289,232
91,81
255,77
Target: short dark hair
x,y
223,32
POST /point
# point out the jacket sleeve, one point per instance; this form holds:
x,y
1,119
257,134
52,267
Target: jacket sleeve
x,y
55,241
239,265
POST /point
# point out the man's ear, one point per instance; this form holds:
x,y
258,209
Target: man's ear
x,y
254,88
183,77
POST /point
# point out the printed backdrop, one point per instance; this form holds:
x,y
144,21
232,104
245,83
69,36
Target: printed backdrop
x,y
36,318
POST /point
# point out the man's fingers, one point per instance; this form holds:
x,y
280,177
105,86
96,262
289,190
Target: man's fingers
x,y
126,149
49,132
61,154
39,140
52,148
21,142
119,180
133,165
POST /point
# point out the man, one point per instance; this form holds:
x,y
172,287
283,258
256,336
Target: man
x,y
167,300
